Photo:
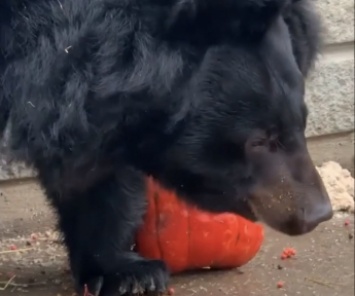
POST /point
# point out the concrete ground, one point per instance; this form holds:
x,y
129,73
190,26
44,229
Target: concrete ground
x,y
324,264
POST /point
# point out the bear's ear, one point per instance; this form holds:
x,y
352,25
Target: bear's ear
x,y
248,18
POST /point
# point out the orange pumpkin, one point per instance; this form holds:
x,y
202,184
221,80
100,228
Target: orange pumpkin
x,y
187,238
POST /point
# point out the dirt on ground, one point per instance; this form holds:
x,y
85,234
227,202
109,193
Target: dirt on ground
x,y
33,261
36,265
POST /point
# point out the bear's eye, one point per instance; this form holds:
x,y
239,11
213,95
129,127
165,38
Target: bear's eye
x,y
259,142
271,142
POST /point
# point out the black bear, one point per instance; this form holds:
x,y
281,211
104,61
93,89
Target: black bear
x,y
206,96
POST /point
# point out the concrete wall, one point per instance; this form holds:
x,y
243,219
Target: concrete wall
x,y
331,86
330,92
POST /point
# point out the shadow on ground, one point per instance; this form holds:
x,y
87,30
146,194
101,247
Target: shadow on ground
x,y
324,266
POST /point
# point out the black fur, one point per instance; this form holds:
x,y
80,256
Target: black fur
x,y
100,93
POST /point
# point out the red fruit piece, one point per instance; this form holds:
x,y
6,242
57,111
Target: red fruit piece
x,y
347,222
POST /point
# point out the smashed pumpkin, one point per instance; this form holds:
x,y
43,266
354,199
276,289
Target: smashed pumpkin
x,y
187,238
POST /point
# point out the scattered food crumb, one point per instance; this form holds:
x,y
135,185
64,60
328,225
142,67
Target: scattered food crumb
x,y
339,184
288,253
13,248
171,291
280,284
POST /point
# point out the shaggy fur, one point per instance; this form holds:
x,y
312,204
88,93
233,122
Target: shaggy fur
x,y
207,96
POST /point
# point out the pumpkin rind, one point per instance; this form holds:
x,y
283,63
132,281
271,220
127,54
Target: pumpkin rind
x,y
187,238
